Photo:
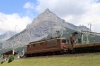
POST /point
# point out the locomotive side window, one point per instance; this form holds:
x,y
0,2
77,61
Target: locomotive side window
x,y
52,43
34,45
58,41
41,44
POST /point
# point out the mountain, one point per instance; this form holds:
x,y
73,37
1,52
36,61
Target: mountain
x,y
6,36
46,23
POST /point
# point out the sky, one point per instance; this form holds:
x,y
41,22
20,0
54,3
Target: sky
x,y
22,12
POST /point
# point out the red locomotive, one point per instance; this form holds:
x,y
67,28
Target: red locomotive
x,y
55,45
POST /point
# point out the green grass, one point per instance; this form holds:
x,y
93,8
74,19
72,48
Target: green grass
x,y
89,60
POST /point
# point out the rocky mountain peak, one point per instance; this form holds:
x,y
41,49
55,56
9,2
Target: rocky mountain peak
x,y
46,18
47,10
47,13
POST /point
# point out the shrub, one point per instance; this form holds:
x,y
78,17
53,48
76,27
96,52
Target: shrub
x,y
11,58
2,62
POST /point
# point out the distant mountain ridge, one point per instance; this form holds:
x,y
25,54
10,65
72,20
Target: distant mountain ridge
x,y
5,36
78,27
40,27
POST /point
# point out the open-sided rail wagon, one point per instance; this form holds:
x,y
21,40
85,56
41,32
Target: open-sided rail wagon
x,y
90,47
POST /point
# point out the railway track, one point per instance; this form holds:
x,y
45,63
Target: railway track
x,y
64,55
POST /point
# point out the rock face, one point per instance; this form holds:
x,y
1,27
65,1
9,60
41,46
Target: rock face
x,y
38,29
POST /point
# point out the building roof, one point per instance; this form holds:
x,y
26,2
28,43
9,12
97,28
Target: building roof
x,y
9,53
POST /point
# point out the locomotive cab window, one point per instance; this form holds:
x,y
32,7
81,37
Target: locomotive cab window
x,y
64,41
28,46
34,45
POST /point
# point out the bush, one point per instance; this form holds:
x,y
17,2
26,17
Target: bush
x,y
2,62
11,58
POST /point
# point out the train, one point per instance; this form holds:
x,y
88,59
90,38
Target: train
x,y
60,46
